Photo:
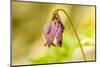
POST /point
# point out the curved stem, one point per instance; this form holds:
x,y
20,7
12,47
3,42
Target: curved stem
x,y
56,11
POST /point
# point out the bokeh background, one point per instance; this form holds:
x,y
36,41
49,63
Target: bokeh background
x,y
28,20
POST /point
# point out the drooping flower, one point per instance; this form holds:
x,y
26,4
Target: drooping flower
x,y
55,29
50,33
59,35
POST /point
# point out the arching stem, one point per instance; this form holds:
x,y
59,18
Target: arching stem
x,y
55,12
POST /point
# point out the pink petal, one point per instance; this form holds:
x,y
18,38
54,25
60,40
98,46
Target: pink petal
x,y
46,30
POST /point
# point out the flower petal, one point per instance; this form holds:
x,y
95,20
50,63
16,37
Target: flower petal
x,y
46,30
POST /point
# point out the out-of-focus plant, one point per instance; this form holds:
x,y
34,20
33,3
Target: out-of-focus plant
x,y
28,20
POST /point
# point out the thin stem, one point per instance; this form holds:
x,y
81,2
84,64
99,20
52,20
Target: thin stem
x,y
56,11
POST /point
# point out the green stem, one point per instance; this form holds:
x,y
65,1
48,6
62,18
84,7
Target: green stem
x,y
56,11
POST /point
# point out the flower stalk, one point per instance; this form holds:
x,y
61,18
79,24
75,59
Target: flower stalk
x,y
56,11
55,30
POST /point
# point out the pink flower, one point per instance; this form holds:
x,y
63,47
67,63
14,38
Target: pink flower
x,y
50,33
59,35
55,29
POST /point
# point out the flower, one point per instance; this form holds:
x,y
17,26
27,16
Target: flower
x,y
55,29
59,36
50,33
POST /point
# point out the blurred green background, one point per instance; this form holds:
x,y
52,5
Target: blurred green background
x,y
28,20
